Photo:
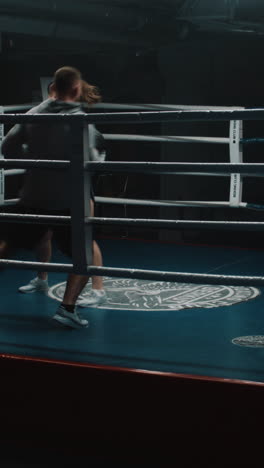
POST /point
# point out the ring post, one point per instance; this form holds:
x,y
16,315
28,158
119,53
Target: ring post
x,y
2,175
236,156
80,204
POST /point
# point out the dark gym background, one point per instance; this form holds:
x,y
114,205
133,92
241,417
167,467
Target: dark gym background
x,y
183,52
170,52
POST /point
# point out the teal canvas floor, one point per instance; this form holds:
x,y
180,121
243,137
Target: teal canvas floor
x,y
193,341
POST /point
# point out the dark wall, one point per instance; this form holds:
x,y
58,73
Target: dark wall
x,y
208,69
211,71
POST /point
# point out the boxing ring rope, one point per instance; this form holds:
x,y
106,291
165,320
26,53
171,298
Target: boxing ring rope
x,y
137,222
12,172
161,203
196,278
145,138
117,106
169,168
164,139
234,142
78,164
219,115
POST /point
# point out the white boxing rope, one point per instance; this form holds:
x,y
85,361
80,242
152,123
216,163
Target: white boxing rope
x,y
40,266
34,218
249,169
177,224
138,117
178,203
165,203
166,139
180,277
11,172
135,222
118,106
34,163
171,168
235,147
11,201
234,168
170,203
163,107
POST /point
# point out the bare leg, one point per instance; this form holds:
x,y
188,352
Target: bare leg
x,y
76,283
74,287
43,252
97,281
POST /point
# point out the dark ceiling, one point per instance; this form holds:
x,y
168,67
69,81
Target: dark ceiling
x,y
140,24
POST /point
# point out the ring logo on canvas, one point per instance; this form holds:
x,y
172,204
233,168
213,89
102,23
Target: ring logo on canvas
x,y
133,294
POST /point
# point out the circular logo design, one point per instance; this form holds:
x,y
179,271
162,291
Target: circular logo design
x,y
132,294
253,341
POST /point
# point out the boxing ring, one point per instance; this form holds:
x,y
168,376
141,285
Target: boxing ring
x,y
195,331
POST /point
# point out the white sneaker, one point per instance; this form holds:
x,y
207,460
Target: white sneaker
x,y
70,319
35,285
95,297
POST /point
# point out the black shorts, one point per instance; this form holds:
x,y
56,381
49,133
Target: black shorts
x,y
28,235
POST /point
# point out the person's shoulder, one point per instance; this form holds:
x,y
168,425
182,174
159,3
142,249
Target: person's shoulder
x,y
54,106
40,107
66,107
76,108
